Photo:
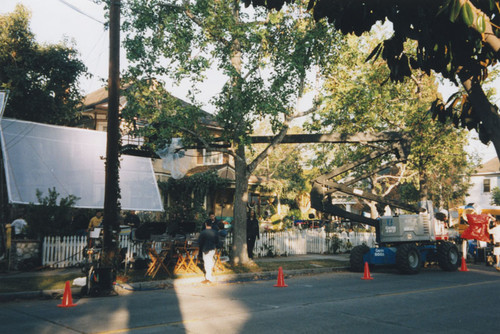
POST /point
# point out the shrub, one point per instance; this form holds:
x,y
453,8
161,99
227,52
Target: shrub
x,y
49,217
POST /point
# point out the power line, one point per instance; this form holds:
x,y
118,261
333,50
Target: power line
x,y
81,12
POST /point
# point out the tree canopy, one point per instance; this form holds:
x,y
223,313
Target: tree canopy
x,y
264,57
357,97
42,79
455,38
285,171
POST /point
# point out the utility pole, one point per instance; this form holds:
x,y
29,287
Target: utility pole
x,y
111,190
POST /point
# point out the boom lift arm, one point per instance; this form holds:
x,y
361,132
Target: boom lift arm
x,y
324,186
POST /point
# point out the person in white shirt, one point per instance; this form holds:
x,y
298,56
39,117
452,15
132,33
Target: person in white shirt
x,y
19,225
495,232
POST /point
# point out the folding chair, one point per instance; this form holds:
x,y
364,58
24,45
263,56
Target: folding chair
x,y
218,264
192,258
181,254
157,262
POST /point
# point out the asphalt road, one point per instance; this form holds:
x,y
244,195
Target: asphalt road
x,y
430,302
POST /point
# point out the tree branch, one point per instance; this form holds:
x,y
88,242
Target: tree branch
x,y
395,184
489,36
206,145
197,21
269,149
304,113
487,111
285,158
279,137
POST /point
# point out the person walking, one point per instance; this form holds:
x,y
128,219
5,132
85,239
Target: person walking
x,y
208,242
252,232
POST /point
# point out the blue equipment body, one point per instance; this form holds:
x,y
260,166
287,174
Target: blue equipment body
x,y
387,255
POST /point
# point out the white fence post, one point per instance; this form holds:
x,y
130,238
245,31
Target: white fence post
x,y
61,252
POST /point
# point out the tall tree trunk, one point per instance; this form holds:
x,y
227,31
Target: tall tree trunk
x,y
239,251
303,202
240,255
373,210
424,193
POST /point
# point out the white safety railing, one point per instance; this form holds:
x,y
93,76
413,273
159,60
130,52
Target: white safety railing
x,y
62,252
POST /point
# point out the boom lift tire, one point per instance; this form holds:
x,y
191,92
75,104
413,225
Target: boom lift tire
x,y
408,259
448,256
356,258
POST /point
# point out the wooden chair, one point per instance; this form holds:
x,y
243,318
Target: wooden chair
x,y
218,266
192,256
181,265
157,262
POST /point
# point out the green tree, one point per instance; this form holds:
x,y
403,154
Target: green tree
x,y
264,57
495,196
42,79
457,38
187,195
283,171
358,97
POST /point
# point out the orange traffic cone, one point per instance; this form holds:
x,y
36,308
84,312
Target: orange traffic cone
x,y
67,300
464,265
367,272
281,279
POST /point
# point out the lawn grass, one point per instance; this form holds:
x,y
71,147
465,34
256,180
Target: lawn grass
x,y
288,265
35,283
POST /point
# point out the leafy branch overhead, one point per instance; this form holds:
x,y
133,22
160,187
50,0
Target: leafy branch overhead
x,y
457,38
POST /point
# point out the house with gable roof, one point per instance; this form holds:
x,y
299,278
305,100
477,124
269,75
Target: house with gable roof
x,y
484,180
94,116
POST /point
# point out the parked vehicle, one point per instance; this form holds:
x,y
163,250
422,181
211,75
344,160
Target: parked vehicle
x,y
406,241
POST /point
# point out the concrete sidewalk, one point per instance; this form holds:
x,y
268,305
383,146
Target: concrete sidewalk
x,y
305,257
171,282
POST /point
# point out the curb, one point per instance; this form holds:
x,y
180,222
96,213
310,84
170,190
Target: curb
x,y
127,288
40,294
220,279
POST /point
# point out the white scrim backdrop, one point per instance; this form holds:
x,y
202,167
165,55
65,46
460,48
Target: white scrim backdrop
x,y
41,156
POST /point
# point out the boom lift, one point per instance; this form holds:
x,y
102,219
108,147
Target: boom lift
x,y
406,241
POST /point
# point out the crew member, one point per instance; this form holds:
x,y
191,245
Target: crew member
x,y
208,241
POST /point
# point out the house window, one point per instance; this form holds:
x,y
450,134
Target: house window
x,y
486,185
212,158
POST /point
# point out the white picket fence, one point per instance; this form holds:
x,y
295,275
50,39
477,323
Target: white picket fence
x,y
62,252
297,242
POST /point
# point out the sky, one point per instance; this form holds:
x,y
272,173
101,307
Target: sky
x,y
82,21
53,21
